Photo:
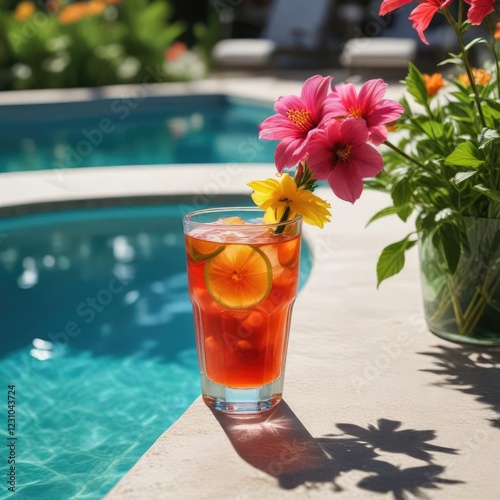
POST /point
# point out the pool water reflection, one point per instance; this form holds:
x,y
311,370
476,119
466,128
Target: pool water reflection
x,y
97,337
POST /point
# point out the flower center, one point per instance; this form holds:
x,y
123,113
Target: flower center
x,y
235,276
344,152
356,112
299,116
285,200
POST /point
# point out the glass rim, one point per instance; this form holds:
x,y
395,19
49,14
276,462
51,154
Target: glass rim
x,y
187,219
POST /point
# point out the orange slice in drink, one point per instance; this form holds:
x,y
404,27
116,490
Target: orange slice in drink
x,y
231,221
288,252
239,277
200,250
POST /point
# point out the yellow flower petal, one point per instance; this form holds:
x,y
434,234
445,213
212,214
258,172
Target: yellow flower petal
x,y
276,197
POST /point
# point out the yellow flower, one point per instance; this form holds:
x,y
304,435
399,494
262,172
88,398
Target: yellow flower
x,y
24,11
433,83
481,77
276,196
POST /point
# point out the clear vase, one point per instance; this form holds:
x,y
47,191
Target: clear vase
x,y
464,306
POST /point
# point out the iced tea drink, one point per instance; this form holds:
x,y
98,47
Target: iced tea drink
x,y
243,278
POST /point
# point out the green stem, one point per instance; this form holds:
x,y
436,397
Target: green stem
x,y
467,66
284,218
415,162
407,157
455,303
478,304
467,320
493,50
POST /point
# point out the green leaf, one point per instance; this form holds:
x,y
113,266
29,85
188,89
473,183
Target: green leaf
x,y
465,155
452,60
383,213
474,42
490,193
491,111
462,176
488,136
447,239
404,212
392,259
433,129
401,192
407,112
416,85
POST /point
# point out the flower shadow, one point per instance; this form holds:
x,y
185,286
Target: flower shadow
x,y
277,443
471,372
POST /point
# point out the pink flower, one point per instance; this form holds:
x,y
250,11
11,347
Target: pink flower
x,y
421,16
390,5
479,10
369,104
339,154
297,117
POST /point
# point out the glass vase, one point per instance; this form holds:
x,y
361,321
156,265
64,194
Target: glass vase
x,y
464,306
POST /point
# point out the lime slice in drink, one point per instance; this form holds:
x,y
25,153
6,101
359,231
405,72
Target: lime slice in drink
x,y
239,277
200,250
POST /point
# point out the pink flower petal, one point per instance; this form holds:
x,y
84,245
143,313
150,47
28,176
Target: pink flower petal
x,y
346,186
390,5
314,93
354,131
278,127
371,93
366,161
388,111
378,134
344,94
332,132
479,10
321,160
285,153
422,16
288,102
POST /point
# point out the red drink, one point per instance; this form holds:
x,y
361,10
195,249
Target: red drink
x,y
243,281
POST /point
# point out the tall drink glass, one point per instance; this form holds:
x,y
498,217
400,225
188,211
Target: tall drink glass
x,y
243,277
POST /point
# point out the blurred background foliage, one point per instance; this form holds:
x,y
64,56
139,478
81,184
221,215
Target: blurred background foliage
x,y
57,43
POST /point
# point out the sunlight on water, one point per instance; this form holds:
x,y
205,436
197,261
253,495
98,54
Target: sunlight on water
x,y
83,421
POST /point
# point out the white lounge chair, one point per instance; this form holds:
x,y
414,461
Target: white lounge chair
x,y
398,44
393,49
293,25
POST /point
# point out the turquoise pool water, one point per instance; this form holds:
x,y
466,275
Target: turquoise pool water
x,y
97,338
151,130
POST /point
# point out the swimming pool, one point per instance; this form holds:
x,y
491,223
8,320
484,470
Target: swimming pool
x,y
146,131
97,338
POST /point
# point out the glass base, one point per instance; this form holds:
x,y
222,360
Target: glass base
x,y
488,343
241,401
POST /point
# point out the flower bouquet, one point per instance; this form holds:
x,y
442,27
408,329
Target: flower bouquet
x,y
441,167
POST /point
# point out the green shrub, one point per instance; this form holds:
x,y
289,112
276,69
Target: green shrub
x,y
85,44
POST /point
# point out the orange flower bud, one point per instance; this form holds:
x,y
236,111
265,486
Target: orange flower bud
x,y
391,127
75,12
433,83
24,11
175,51
481,77
497,31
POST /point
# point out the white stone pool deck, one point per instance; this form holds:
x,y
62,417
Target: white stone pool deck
x,y
374,405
